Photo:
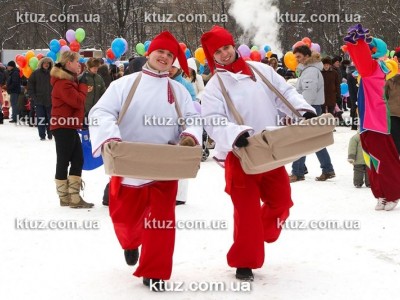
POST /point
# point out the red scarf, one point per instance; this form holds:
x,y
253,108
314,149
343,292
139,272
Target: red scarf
x,y
238,66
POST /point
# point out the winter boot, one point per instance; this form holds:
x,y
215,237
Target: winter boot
x,y
131,256
74,186
62,191
245,274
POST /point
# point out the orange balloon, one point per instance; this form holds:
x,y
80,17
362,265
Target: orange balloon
x,y
29,55
39,56
307,41
290,61
344,48
200,55
62,42
27,71
298,44
268,54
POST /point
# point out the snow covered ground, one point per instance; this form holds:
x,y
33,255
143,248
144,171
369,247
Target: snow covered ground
x,y
359,263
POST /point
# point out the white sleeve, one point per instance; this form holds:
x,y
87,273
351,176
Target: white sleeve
x,y
192,118
217,123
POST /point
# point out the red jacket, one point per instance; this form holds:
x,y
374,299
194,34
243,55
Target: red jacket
x,y
68,100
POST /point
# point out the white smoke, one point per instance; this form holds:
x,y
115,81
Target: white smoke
x,y
258,19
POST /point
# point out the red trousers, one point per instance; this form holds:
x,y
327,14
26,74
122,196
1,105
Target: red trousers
x,y
255,223
146,216
385,177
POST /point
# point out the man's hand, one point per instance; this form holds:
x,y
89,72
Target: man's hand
x,y
187,141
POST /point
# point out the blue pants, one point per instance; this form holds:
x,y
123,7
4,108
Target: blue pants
x,y
43,114
14,106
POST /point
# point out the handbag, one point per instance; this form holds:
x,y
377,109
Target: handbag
x,y
274,148
89,162
150,161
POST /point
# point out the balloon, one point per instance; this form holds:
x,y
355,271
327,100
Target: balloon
x,y
197,106
393,67
70,35
246,58
21,61
262,53
244,50
118,47
58,56
80,35
39,56
62,42
344,88
27,71
255,56
29,55
64,48
298,44
110,54
33,63
125,45
200,56
74,46
201,69
140,49
315,48
254,48
269,53
183,46
54,46
146,45
290,61
391,54
187,53
267,48
21,73
52,55
344,48
307,41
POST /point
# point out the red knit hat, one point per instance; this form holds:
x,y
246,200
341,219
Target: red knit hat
x,y
166,41
214,39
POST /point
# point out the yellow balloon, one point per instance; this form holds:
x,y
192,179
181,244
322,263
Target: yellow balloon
x,y
290,61
27,71
393,67
200,55
29,55
268,54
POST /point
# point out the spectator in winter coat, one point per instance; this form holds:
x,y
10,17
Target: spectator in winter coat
x,y
356,158
175,73
67,113
13,88
39,90
311,85
353,91
195,79
104,72
331,86
392,94
259,107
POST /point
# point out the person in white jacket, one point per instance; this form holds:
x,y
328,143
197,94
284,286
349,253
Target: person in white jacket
x,y
258,106
134,202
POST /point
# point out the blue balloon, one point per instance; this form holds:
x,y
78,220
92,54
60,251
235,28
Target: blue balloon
x,y
54,45
187,53
201,69
52,55
118,47
344,88
267,48
146,45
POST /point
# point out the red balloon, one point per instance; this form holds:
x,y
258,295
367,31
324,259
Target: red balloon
x,y
298,44
39,56
307,41
62,42
246,58
21,61
21,73
74,46
255,56
183,46
110,54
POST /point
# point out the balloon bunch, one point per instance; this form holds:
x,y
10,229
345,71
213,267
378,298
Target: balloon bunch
x,y
28,63
254,53
289,58
201,58
307,41
119,46
74,39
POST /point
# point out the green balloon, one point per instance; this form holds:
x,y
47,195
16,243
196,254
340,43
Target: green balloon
x,y
392,53
140,49
254,48
33,63
58,56
80,35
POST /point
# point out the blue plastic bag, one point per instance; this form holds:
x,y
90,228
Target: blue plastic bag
x,y
89,162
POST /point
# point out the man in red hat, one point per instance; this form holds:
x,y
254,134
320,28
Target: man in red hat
x,y
258,106
133,203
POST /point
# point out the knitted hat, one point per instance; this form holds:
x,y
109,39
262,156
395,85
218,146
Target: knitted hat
x,y
11,63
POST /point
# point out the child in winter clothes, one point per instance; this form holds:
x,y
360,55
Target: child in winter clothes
x,y
356,158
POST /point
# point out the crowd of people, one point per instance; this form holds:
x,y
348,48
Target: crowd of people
x,y
97,91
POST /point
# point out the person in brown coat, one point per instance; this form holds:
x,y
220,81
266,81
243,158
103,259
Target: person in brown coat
x,y
392,95
331,86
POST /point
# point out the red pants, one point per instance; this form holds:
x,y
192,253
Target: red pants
x,y
146,216
385,178
255,223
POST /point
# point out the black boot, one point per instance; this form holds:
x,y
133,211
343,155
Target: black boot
x,y
106,195
245,274
131,256
155,285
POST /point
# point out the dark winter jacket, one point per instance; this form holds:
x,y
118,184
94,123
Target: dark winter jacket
x,y
135,65
98,85
39,87
392,94
14,82
3,76
331,86
67,99
104,72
